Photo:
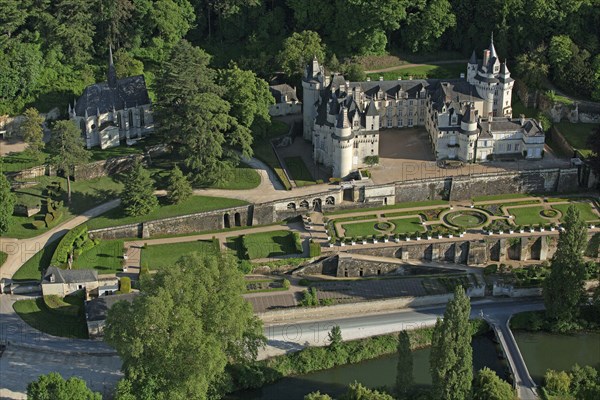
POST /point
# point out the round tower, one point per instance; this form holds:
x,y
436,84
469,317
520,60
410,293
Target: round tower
x,y
344,145
312,83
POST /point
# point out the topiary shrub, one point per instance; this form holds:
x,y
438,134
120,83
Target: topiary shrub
x,y
38,224
67,243
286,284
48,218
125,285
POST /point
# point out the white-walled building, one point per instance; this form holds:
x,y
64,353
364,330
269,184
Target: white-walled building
x,y
468,119
111,111
286,100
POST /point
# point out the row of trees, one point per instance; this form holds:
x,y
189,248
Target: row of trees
x,y
53,49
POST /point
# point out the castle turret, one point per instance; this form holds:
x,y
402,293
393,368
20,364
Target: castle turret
x,y
472,68
372,117
312,83
505,87
344,144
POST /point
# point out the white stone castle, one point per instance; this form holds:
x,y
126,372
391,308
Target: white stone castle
x,y
108,112
468,119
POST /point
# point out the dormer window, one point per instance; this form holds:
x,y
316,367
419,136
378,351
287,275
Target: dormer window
x,y
454,120
52,278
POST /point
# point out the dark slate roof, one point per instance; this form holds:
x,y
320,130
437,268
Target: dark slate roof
x,y
372,110
100,97
530,127
446,92
278,91
97,308
70,275
473,59
342,119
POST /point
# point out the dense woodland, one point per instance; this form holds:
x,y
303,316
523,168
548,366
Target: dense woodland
x,y
52,49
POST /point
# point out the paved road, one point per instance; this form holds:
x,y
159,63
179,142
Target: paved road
x,y
284,338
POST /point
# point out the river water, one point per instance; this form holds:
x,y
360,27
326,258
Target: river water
x,y
372,373
542,351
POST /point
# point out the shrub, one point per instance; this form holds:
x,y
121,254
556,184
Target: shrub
x,y
286,284
309,298
297,242
245,266
144,271
557,382
490,269
125,285
49,206
57,215
48,218
319,181
304,282
314,249
39,224
66,244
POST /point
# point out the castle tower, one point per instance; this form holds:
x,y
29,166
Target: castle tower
x,y
505,87
486,79
112,73
468,129
343,140
472,68
312,83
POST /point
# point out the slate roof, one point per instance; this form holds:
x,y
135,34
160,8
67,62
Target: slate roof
x,y
279,91
70,275
97,308
102,98
530,126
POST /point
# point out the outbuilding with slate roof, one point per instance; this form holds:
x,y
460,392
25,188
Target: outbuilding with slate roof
x,y
63,282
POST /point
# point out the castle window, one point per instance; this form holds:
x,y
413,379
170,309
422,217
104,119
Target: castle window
x,y
82,126
142,122
130,119
119,122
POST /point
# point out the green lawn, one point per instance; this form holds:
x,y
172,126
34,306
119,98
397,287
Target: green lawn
x,y
106,257
360,229
264,151
577,134
85,195
444,71
3,257
299,172
32,269
264,245
407,225
194,204
528,215
408,204
157,256
244,177
585,210
18,161
36,313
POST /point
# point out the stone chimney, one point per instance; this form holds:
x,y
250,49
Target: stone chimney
x,y
522,119
490,116
486,57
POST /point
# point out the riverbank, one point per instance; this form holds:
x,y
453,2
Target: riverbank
x,y
312,359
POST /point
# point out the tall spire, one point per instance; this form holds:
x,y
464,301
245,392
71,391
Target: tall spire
x,y
492,48
473,59
112,73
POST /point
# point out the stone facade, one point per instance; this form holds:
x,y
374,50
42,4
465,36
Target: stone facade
x,y
468,119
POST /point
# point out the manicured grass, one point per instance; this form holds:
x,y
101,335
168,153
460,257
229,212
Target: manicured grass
x,y
408,204
69,306
528,215
32,269
244,177
360,229
86,194
194,204
422,71
14,162
356,218
507,196
577,134
160,255
106,257
299,171
265,245
585,210
3,257
264,151
407,225
36,313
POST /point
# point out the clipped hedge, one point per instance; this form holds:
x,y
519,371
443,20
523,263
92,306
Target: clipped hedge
x,y
314,249
38,224
297,242
67,243
125,285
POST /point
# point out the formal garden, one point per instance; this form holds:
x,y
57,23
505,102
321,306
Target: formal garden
x,y
427,220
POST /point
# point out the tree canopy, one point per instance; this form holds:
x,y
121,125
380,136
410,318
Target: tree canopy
x,y
451,360
7,203
488,386
138,196
189,321
54,386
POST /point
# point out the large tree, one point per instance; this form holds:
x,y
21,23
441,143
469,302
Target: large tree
x,y
404,373
451,361
66,150
192,113
299,50
426,23
7,202
357,391
190,319
249,97
32,131
54,386
488,386
594,158
178,188
563,288
138,196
